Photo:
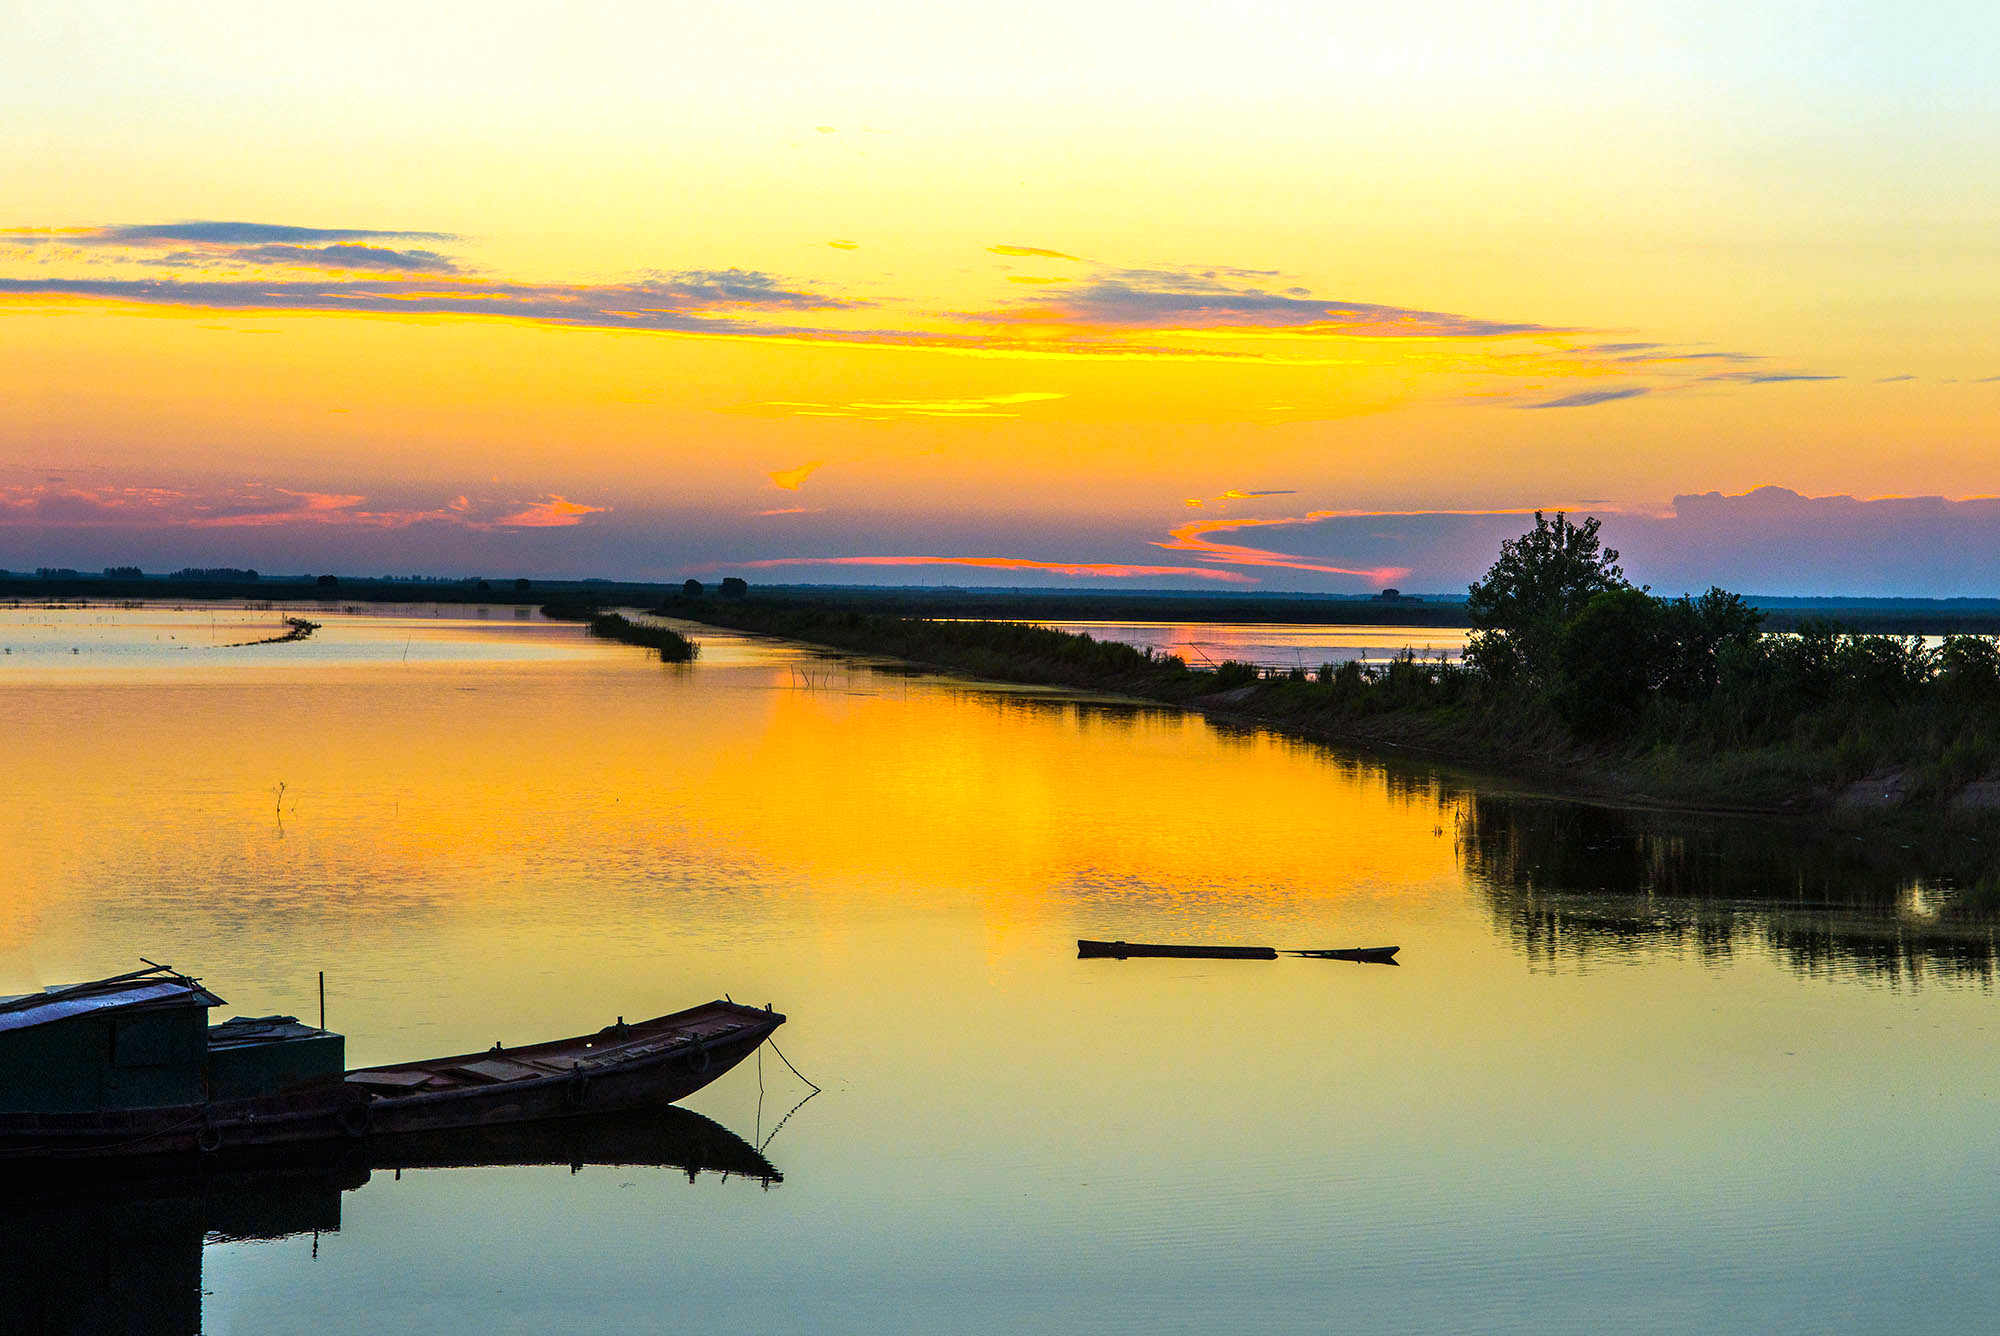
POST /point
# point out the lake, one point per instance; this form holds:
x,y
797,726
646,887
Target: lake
x,y
1635,1072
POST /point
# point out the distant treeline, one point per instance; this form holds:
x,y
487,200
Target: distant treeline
x,y
1885,616
1880,616
225,584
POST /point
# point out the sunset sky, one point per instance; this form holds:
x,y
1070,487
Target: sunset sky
x,y
1235,297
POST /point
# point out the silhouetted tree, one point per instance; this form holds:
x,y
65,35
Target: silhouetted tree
x,y
1543,579
691,589
1699,636
1610,659
735,587
522,585
328,582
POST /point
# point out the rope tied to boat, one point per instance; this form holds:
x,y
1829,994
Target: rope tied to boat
x,y
788,1063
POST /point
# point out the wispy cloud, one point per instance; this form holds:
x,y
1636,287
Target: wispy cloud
x,y
551,512
224,245
1238,494
1585,398
1208,313
261,506
1197,300
1100,569
344,256
790,480
1033,252
212,233
887,410
1197,537
695,302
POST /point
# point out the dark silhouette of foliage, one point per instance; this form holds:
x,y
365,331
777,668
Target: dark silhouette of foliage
x,y
673,647
1611,659
1541,582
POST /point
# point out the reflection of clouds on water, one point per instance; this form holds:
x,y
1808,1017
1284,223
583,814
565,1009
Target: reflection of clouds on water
x,y
1274,644
162,637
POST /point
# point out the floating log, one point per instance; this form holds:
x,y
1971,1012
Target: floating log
x,y
1089,950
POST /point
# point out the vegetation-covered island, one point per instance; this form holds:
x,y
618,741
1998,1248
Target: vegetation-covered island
x,y
1573,677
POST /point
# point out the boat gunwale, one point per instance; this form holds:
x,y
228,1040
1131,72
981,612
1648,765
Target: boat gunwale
x,y
665,1025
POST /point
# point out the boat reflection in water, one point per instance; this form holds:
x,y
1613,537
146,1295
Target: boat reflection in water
x,y
93,1251
1573,883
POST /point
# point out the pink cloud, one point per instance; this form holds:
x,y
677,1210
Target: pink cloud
x,y
1195,538
260,506
1109,570
552,512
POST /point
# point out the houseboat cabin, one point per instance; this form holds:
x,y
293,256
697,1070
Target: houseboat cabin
x,y
142,1041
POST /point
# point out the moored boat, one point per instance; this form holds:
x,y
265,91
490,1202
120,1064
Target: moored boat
x,y
129,1066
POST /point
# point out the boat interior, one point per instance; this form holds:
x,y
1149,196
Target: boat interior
x,y
619,1044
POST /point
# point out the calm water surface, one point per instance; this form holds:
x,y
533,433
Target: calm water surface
x,y
1275,644
1634,1074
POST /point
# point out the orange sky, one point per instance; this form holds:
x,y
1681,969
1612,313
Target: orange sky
x,y
892,296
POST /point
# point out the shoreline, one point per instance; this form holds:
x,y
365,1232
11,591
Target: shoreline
x,y
1522,752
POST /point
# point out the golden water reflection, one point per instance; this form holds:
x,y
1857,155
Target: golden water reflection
x,y
519,847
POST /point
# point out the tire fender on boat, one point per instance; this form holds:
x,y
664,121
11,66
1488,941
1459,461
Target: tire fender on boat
x,y
577,1090
209,1139
357,1119
700,1060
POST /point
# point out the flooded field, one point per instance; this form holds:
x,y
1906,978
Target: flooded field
x,y
1634,1072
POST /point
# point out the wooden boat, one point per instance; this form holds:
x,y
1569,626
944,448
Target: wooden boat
x,y
620,1067
1087,949
129,1066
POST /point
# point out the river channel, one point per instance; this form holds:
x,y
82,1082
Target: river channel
x,y
1634,1072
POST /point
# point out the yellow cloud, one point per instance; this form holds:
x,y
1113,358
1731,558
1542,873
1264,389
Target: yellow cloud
x,y
1033,252
790,480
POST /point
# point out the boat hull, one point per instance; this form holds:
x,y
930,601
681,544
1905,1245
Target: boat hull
x,y
663,1079
352,1112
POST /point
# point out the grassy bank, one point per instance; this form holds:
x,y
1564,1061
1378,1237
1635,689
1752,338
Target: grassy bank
x,y
1843,741
673,647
